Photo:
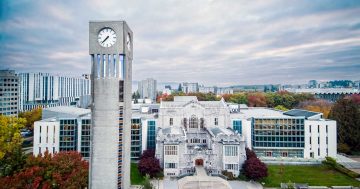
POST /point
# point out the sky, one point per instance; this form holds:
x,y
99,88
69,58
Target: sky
x,y
219,43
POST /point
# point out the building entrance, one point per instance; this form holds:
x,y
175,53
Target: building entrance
x,y
199,162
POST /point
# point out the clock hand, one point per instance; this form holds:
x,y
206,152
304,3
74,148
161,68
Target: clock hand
x,y
105,39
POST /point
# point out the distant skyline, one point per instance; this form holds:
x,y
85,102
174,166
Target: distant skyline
x,y
219,43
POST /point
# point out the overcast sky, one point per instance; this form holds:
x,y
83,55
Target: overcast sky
x,y
211,42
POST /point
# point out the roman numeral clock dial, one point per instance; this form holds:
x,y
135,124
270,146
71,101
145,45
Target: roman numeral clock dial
x,y
107,37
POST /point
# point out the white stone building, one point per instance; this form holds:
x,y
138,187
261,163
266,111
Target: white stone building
x,y
193,133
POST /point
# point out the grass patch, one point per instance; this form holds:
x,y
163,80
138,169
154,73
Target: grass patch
x,y
135,176
313,175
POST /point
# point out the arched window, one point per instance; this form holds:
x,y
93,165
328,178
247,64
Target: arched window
x,y
193,122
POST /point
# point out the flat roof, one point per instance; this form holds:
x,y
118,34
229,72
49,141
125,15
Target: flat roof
x,y
69,110
303,113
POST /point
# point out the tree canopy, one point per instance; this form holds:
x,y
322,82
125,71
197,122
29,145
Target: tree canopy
x,y
62,170
11,156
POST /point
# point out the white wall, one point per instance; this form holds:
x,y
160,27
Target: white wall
x,y
331,134
46,136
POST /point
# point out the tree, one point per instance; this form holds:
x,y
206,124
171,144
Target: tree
x,y
317,105
281,108
255,169
149,165
31,117
256,100
147,184
239,98
11,156
347,114
62,170
250,154
147,153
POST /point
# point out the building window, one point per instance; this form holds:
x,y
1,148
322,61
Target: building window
x,y
202,125
216,121
237,126
326,129
318,128
171,165
171,150
171,121
231,167
326,140
310,128
318,140
231,150
284,154
318,151
310,140
193,122
268,154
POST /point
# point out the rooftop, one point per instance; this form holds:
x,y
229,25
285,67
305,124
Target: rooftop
x,y
69,110
298,112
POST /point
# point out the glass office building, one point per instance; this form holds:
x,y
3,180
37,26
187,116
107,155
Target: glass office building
x,y
278,137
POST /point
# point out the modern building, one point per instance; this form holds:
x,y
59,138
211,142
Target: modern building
x,y
49,90
224,90
9,93
313,84
196,133
63,128
110,48
147,89
329,94
203,89
190,87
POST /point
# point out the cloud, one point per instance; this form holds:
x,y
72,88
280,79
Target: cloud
x,y
211,42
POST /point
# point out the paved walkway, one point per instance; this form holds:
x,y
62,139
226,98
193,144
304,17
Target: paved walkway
x,y
200,171
202,181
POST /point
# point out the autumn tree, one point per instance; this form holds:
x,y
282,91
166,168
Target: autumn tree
x,y
31,117
62,170
346,112
253,167
11,156
149,164
257,100
317,105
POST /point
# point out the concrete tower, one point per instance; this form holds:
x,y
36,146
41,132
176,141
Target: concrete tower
x,y
110,48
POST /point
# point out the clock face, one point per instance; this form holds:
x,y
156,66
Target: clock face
x,y
128,41
107,37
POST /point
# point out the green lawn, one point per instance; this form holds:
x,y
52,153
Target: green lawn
x,y
313,175
135,176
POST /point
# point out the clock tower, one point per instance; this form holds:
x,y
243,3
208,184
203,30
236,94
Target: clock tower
x,y
110,49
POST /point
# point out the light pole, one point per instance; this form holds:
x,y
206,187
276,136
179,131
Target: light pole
x,y
158,179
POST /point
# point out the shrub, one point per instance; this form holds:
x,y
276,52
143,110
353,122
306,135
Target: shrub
x,y
150,166
228,174
255,169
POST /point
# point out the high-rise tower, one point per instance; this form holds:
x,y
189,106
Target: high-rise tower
x,y
110,48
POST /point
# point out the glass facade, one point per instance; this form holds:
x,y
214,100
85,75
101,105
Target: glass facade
x,y
85,138
278,136
151,134
135,138
68,135
237,126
